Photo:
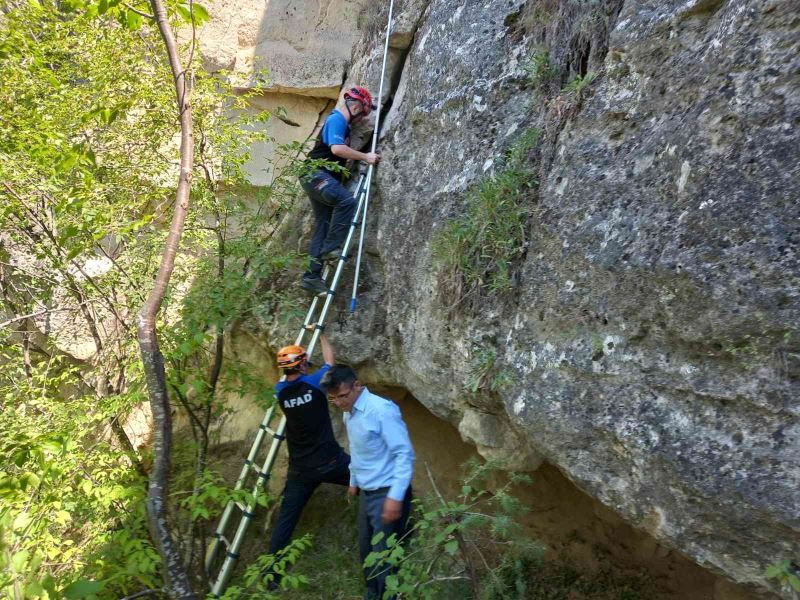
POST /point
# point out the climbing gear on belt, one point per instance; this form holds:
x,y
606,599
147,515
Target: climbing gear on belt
x,y
291,356
221,546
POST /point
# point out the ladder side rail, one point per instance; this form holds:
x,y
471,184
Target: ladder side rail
x,y
232,554
353,298
383,76
312,309
362,202
266,468
226,515
368,187
325,273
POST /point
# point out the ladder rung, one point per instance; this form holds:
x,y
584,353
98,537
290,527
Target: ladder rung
x,y
243,507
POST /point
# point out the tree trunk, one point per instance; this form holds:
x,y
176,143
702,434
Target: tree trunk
x,y
175,574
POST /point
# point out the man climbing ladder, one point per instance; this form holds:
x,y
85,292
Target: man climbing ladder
x,y
315,456
332,203
227,548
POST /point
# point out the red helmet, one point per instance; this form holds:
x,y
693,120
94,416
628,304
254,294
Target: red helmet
x,y
363,96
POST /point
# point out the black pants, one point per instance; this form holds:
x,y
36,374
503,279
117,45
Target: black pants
x,y
370,522
300,484
333,207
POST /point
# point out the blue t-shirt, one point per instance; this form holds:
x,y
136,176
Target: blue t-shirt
x,y
309,434
335,131
311,379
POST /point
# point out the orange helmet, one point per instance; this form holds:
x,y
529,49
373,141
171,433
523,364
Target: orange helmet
x,y
291,356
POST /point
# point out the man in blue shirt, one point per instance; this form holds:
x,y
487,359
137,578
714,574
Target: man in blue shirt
x,y
332,203
381,466
315,456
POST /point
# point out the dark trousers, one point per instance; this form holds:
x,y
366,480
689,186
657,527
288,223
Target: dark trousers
x,y
370,522
333,209
300,484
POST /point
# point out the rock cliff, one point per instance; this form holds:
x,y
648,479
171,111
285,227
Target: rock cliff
x,y
648,343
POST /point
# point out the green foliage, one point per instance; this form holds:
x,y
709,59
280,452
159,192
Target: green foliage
x,y
578,86
484,373
71,507
786,573
539,70
258,582
478,250
214,494
457,545
88,159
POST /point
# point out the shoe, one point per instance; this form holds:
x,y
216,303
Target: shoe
x,y
332,255
314,284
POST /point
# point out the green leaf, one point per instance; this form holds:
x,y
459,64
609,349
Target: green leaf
x,y
133,22
186,12
19,560
773,571
451,547
21,521
200,14
82,588
67,162
34,590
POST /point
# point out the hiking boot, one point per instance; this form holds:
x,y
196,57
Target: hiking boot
x,y
332,255
314,284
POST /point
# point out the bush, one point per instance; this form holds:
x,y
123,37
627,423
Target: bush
x,y
539,69
478,250
460,547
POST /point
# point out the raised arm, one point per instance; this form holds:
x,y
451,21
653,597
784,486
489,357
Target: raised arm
x,y
327,350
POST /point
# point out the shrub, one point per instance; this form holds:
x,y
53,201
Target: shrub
x,y
578,85
462,546
478,250
539,69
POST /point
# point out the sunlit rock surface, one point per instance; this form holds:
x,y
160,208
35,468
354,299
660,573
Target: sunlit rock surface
x,y
651,334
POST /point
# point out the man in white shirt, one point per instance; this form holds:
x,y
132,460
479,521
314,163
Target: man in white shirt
x,y
381,465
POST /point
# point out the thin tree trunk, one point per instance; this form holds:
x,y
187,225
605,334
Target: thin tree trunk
x,y
177,579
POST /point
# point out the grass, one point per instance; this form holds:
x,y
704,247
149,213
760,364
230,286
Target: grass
x,y
477,250
332,565
578,85
539,70
484,373
333,568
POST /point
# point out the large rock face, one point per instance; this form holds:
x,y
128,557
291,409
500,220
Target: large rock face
x,y
652,332
298,52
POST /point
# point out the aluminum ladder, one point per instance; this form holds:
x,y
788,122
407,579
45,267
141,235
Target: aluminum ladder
x,y
231,546
262,472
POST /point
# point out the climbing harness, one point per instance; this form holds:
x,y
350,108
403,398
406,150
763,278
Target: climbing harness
x,y
222,547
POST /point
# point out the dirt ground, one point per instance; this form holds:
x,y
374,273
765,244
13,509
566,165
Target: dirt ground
x,y
590,550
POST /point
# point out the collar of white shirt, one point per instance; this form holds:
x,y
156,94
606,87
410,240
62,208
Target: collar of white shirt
x,y
361,400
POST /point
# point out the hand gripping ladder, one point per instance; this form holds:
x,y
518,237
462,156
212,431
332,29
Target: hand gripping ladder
x,y
221,543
